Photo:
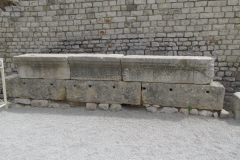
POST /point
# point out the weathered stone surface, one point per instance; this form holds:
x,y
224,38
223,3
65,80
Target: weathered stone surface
x,y
103,106
96,66
13,105
104,92
43,66
91,106
39,103
35,88
152,109
184,95
115,107
22,101
205,113
169,110
184,111
168,69
224,114
235,105
194,112
215,114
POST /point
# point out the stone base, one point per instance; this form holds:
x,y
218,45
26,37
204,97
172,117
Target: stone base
x,y
104,92
184,95
235,105
35,88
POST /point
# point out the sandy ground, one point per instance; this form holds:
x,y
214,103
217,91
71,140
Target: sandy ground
x,y
75,133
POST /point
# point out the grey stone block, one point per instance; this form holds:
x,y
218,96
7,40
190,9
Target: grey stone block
x,y
91,106
235,105
168,69
22,101
224,114
184,95
104,92
43,66
96,66
205,113
103,106
39,103
35,88
115,107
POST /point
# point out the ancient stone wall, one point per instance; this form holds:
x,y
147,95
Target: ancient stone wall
x,y
130,27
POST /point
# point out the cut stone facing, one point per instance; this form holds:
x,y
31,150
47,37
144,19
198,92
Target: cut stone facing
x,y
35,88
110,92
96,66
168,69
54,66
184,95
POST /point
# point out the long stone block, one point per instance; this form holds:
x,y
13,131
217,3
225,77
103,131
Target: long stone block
x,y
96,66
184,95
168,69
104,92
54,66
35,88
235,105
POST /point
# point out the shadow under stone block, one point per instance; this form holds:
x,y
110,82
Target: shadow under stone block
x,y
184,95
35,88
168,69
96,67
53,66
104,92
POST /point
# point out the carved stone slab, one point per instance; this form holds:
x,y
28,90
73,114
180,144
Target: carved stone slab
x,y
53,66
235,105
184,95
168,69
96,66
104,92
42,89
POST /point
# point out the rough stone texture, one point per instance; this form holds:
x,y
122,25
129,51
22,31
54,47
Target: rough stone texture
x,y
103,106
205,113
115,107
96,67
91,106
169,110
39,103
224,114
35,88
104,92
235,106
215,114
168,69
184,111
184,95
194,112
53,66
22,101
61,105
152,109
13,105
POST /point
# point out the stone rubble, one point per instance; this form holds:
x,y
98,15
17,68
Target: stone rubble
x,y
152,109
215,114
103,106
224,114
194,112
39,103
115,107
205,113
184,111
91,106
168,110
22,101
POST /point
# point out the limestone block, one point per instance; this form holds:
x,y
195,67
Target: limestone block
x,y
224,114
53,66
39,103
35,88
184,95
168,69
194,112
104,92
205,113
22,101
91,106
115,107
168,110
184,111
152,109
96,66
103,106
215,114
235,105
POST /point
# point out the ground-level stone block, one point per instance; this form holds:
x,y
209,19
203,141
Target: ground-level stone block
x,y
39,103
43,66
168,69
110,92
236,105
51,89
184,95
96,66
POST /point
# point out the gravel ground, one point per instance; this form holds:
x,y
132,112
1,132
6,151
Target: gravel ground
x,y
75,133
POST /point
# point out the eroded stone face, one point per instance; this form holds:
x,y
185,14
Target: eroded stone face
x,y
104,92
96,67
42,89
235,105
184,95
54,66
168,69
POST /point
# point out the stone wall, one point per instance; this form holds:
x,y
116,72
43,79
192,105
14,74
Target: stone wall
x,y
139,27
